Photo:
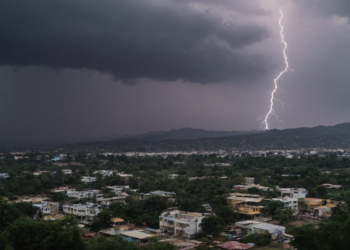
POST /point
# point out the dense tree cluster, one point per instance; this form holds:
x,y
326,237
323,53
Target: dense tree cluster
x,y
18,231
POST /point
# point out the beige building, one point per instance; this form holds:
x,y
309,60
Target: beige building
x,y
85,212
179,223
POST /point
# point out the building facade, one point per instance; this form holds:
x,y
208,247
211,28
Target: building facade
x,y
48,207
87,179
169,195
288,202
181,224
85,212
104,172
81,194
299,193
66,171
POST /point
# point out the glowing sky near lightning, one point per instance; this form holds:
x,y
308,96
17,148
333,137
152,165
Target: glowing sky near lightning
x,y
272,100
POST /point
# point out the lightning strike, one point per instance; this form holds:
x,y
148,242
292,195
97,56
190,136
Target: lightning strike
x,y
271,110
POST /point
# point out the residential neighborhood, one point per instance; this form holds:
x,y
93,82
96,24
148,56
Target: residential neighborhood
x,y
119,198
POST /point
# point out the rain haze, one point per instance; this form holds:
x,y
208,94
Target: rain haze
x,y
79,70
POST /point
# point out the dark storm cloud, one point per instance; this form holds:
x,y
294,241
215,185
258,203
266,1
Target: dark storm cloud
x,y
328,7
132,39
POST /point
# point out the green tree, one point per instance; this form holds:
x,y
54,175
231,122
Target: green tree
x,y
322,191
227,213
260,240
212,225
302,206
4,212
253,190
284,215
102,220
272,207
29,234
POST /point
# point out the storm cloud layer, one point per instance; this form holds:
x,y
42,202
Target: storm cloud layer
x,y
64,65
132,39
328,8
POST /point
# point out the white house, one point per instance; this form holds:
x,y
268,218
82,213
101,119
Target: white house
x,y
288,202
4,175
124,175
293,192
87,179
177,223
327,185
104,172
48,207
66,171
108,201
84,212
323,210
173,176
119,188
260,227
81,194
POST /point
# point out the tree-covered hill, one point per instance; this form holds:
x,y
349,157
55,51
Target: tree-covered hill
x,y
337,136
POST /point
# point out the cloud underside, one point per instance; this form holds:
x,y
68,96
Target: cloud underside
x,y
327,7
132,39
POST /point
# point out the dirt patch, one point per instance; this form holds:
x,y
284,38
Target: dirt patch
x,y
274,222
304,221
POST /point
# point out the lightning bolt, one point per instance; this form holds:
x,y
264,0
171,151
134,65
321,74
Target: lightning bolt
x,y
271,110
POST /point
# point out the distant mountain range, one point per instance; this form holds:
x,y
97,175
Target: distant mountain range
x,y
187,139
181,134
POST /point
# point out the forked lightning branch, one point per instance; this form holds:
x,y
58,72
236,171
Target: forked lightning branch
x,y
271,111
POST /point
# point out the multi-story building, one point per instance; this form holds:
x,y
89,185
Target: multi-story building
x,y
85,212
242,198
183,224
249,210
87,179
293,192
288,202
48,207
246,204
81,194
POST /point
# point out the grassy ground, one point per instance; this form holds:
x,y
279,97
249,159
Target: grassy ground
x,y
299,223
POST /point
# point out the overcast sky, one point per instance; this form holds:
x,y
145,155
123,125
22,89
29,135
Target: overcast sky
x,y
87,69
